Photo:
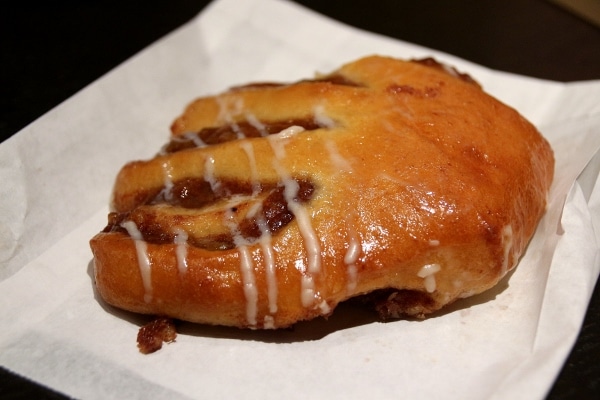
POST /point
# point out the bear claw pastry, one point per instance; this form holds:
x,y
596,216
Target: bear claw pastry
x,y
273,203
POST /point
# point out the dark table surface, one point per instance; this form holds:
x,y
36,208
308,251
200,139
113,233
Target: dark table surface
x,y
51,51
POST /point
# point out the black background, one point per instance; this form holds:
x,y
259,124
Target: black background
x,y
51,51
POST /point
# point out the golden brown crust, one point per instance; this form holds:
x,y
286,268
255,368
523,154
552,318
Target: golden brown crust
x,y
406,175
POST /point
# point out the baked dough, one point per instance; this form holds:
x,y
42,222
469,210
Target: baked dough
x,y
273,203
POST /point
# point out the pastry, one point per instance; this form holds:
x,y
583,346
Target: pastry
x,y
273,203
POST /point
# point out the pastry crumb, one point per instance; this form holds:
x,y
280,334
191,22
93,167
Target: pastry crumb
x,y
151,336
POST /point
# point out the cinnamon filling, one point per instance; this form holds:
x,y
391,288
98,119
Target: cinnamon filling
x,y
433,63
398,303
244,129
427,92
271,217
266,209
335,79
222,134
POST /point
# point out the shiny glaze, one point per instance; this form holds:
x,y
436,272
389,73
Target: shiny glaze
x,y
257,211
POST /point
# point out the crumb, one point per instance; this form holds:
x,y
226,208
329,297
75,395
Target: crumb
x,y
152,335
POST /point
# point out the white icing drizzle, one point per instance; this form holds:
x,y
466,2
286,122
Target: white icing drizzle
x,y
278,142
291,187
239,133
324,307
254,210
507,242
434,242
180,240
269,322
311,241
246,263
321,118
246,268
144,264
342,164
351,256
248,280
336,158
185,137
255,122
228,110
269,258
265,237
354,249
167,189
209,174
308,291
352,273
249,150
195,138
427,272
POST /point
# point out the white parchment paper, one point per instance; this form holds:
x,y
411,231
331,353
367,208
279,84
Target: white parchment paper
x,y
58,172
